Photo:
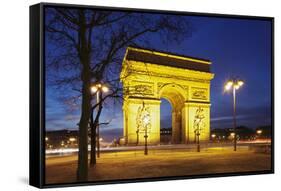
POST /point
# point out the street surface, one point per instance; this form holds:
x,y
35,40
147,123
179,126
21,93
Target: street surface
x,y
177,160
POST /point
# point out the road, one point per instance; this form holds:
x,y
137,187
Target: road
x,y
73,151
132,164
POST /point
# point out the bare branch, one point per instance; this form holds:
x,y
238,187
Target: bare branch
x,y
66,13
113,20
64,33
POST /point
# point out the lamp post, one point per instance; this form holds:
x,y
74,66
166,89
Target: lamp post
x,y
146,123
198,126
213,137
46,141
72,140
234,85
137,131
259,132
98,89
143,123
198,141
197,133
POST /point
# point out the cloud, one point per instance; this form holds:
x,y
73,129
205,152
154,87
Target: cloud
x,y
72,117
252,120
225,118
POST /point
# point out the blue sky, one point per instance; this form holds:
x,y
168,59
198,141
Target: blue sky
x,y
236,47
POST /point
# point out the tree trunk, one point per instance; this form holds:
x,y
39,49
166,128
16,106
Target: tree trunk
x,y
93,142
84,54
94,125
82,171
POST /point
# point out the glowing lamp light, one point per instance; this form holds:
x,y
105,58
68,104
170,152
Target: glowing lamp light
x,y
146,120
227,88
104,89
236,86
72,139
94,89
99,87
46,138
240,83
228,85
259,132
213,135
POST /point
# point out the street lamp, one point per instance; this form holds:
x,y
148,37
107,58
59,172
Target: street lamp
x,y
213,137
197,134
97,89
198,126
146,120
46,141
234,84
71,140
259,132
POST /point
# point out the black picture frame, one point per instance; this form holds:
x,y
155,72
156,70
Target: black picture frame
x,y
37,96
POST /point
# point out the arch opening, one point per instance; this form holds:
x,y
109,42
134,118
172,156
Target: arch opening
x,y
173,95
165,122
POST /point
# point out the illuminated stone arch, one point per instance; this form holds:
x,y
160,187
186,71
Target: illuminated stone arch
x,y
176,95
148,76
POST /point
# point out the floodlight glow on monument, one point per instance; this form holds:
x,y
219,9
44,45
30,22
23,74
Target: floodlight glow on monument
x,y
147,77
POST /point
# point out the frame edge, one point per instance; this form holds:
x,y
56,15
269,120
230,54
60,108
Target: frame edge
x,y
35,164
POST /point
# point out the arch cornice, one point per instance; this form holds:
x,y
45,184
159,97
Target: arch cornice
x,y
135,68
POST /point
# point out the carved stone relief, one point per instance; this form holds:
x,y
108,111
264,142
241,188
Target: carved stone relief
x,y
140,89
143,119
199,93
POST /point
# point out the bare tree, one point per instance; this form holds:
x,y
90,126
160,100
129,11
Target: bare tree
x,y
88,46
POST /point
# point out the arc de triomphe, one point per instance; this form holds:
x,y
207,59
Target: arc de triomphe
x,y
148,76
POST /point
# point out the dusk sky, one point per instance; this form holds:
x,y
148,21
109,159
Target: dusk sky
x,y
236,47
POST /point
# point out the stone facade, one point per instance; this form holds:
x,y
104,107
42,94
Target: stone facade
x,y
146,82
